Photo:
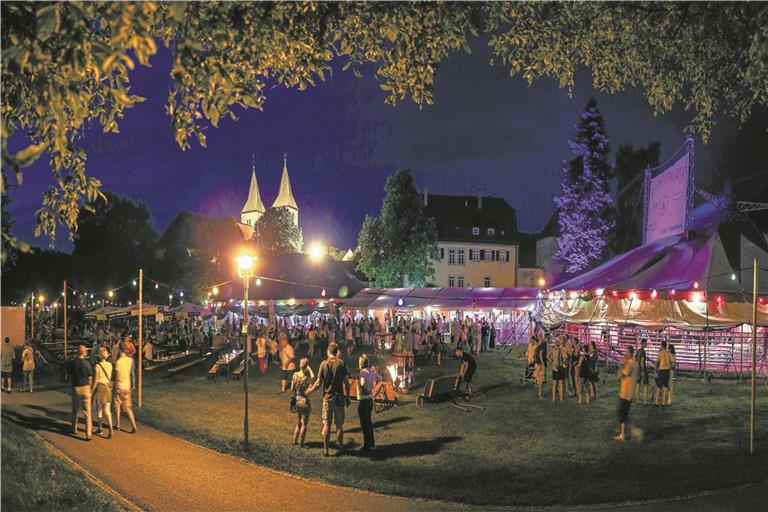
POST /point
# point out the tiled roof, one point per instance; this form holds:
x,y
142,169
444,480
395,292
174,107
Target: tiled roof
x,y
456,216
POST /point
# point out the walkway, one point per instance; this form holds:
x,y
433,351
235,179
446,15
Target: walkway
x,y
160,472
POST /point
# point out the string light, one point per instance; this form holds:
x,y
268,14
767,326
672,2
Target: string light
x,y
733,277
696,285
157,286
258,281
599,292
215,290
134,282
653,294
110,294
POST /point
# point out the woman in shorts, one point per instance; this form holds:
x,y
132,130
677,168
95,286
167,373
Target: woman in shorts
x,y
101,389
556,358
300,383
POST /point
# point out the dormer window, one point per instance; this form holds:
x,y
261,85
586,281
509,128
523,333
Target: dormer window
x,y
475,231
491,232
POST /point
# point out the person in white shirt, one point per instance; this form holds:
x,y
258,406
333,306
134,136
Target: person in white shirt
x,y
101,389
149,350
366,387
123,386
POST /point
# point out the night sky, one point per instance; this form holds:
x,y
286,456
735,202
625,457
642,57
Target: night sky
x,y
486,131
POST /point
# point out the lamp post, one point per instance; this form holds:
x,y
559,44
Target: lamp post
x,y
245,267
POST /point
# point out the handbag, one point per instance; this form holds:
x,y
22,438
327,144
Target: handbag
x,y
292,405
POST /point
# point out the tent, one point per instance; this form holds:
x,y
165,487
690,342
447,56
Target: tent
x,y
100,313
187,310
697,280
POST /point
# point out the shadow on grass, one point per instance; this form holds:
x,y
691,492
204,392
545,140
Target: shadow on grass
x,y
407,449
39,423
381,424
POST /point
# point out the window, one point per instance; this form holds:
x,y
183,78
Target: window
x,y
442,254
475,231
461,256
451,280
451,256
488,255
461,280
503,256
475,255
487,282
491,232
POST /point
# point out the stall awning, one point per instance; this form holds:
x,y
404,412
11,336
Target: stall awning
x,y
443,298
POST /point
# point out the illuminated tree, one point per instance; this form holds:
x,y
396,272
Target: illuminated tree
x,y
399,247
276,233
584,206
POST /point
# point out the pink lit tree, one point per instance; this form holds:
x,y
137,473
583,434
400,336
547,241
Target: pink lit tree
x,y
584,207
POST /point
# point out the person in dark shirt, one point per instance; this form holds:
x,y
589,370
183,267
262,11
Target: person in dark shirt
x,y
467,369
642,374
81,374
334,380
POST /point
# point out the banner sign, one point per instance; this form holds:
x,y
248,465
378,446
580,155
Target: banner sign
x,y
668,197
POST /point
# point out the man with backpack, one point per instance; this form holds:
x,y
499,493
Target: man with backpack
x,y
334,379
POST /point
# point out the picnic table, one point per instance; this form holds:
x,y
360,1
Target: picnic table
x,y
228,360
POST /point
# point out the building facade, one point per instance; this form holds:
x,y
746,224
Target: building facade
x,y
477,239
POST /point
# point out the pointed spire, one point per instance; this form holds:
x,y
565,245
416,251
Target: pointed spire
x,y
253,204
285,196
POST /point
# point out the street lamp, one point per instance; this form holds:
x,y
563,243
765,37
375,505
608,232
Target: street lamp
x,y
245,269
317,251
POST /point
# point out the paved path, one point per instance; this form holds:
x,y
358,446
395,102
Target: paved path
x,y
160,472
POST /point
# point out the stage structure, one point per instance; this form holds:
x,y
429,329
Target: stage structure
x,y
669,195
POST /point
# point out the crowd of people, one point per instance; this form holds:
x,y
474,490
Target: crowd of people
x,y
574,371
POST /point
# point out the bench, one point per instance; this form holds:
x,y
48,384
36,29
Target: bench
x,y
213,373
185,366
437,389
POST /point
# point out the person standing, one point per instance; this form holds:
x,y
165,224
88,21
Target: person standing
x,y
81,374
334,379
642,373
594,373
582,369
287,361
311,339
485,333
7,356
102,389
672,371
261,352
627,378
124,384
557,358
366,386
663,366
301,384
28,367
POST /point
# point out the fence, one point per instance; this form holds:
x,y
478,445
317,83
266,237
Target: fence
x,y
727,351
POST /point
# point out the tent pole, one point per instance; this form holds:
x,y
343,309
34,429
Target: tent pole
x,y
706,332
65,320
141,332
754,359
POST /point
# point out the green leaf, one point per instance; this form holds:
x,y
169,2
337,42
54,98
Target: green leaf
x,y
48,21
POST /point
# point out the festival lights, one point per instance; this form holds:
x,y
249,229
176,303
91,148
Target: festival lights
x,y
542,282
599,292
110,294
654,293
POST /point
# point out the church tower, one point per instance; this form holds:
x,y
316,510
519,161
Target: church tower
x,y
285,196
253,208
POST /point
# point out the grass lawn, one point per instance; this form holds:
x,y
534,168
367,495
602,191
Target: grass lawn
x,y
36,479
518,451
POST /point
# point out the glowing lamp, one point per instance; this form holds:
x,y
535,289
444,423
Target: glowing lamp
x,y
542,282
760,300
614,293
62,294
733,277
40,299
258,282
654,293
719,299
134,282
245,265
573,295
215,290
696,285
157,286
400,301
316,251
633,295
696,296
672,292
181,294
599,292
322,292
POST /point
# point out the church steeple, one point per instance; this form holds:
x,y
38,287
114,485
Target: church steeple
x,y
285,196
253,208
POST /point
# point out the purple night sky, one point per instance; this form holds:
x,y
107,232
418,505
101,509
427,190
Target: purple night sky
x,y
486,131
